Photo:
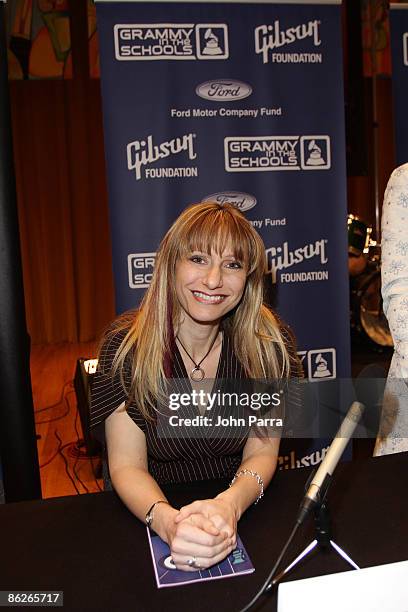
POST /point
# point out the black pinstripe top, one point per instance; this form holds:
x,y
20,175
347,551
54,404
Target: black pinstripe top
x,y
192,455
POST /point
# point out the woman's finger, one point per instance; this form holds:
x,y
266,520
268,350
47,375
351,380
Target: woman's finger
x,y
204,523
222,525
181,562
183,547
202,563
186,511
195,535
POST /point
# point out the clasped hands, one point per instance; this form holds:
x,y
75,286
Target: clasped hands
x,y
204,531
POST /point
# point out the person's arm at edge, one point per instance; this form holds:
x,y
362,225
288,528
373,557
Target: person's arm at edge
x,y
394,260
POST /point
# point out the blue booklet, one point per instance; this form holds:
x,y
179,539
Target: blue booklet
x,y
167,575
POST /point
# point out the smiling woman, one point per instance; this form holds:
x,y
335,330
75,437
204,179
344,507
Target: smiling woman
x,y
202,321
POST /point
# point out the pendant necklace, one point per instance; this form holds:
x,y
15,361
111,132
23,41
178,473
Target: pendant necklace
x,y
197,373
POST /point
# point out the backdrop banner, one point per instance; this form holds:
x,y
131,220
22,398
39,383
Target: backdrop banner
x,y
241,103
399,48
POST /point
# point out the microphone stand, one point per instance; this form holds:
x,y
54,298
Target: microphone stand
x,y
314,499
323,539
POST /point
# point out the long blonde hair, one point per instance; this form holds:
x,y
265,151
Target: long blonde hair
x,y
258,339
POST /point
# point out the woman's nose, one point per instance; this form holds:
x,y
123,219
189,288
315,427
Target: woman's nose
x,y
213,277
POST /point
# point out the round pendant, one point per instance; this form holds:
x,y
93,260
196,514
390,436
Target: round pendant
x,y
197,374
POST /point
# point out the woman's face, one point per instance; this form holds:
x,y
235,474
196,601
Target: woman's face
x,y
209,286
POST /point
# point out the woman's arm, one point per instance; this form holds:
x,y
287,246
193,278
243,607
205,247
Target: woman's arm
x,y
127,453
260,455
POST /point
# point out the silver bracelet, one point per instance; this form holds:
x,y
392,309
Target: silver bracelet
x,y
150,513
255,475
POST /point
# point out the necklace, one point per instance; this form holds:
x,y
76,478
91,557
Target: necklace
x,y
197,373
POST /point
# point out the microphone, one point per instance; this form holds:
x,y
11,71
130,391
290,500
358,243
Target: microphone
x,y
321,478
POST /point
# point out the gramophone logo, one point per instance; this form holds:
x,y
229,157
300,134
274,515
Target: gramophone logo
x,y
315,153
319,363
212,41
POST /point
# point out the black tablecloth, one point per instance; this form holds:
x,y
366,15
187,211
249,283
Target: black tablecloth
x,y
96,551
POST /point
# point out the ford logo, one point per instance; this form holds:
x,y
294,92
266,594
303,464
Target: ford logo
x,y
223,90
242,201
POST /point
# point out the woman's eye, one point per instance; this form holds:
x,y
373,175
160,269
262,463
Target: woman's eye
x,y
197,259
235,265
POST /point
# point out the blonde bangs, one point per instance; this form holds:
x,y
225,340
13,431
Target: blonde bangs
x,y
216,227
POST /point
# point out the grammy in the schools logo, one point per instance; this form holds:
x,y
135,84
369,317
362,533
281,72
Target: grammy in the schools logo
x,y
271,153
171,41
140,269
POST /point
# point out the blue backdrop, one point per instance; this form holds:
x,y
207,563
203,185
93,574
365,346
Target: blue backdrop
x,y
237,102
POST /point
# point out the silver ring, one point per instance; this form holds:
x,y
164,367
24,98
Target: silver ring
x,y
193,562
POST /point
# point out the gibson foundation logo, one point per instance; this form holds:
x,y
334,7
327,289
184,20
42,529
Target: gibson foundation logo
x,y
142,153
291,461
281,258
271,37
171,41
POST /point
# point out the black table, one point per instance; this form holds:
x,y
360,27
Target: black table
x,y
92,548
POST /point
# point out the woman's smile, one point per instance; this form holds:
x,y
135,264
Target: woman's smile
x,y
204,298
209,285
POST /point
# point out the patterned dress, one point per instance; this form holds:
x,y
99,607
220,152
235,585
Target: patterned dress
x,y
393,433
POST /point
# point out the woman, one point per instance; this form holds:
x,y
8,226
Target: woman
x,y
202,318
